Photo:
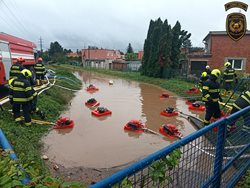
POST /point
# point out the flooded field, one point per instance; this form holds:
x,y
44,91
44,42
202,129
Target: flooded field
x,y
102,142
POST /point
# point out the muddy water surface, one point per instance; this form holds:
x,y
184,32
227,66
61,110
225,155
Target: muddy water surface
x,y
102,142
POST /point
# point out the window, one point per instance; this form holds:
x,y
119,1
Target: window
x,y
237,64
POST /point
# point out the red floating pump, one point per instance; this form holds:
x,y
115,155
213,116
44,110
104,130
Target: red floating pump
x,y
169,112
64,123
92,103
134,125
92,88
190,101
197,107
193,90
170,131
101,111
164,95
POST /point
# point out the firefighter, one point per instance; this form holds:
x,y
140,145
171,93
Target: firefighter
x,y
33,103
208,70
204,77
228,77
211,96
21,95
40,70
240,103
15,69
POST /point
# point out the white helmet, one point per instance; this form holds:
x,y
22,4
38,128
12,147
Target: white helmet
x,y
207,67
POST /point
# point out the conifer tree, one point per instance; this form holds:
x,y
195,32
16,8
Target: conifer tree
x,y
162,48
130,49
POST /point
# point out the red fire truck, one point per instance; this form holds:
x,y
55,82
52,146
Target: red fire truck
x,y
11,48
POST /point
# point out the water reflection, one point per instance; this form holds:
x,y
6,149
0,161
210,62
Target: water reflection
x,y
133,134
63,131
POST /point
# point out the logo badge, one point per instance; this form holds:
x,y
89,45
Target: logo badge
x,y
236,26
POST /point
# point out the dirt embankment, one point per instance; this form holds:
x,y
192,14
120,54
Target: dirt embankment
x,y
81,174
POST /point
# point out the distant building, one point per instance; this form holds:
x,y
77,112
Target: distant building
x,y
140,55
120,65
73,54
99,58
220,48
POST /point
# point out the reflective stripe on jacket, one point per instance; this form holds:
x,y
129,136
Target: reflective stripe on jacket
x,y
242,101
21,90
39,69
229,75
211,91
15,70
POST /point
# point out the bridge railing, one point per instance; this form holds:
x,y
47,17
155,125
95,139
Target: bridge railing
x,y
213,156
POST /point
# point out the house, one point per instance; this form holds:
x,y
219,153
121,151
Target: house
x,y
220,48
99,58
140,55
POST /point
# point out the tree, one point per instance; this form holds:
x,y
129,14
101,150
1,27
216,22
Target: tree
x,y
130,49
162,48
65,51
55,47
56,52
131,56
187,44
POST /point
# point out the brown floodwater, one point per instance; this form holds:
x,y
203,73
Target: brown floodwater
x,y
101,142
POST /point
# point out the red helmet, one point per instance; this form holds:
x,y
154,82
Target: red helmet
x,y
20,59
40,59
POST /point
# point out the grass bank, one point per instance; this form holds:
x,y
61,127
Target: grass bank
x,y
177,86
26,141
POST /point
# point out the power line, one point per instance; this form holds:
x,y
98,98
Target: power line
x,y
10,26
15,18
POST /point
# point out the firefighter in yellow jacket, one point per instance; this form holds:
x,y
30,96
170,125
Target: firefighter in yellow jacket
x,y
21,95
211,96
34,108
15,69
229,76
240,103
39,70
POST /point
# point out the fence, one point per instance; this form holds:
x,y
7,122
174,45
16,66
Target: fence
x,y
209,157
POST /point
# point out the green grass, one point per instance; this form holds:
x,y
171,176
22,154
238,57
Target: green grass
x,y
244,181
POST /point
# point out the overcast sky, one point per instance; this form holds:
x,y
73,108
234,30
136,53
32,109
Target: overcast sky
x,y
113,24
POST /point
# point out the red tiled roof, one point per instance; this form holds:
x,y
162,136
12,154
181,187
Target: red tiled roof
x,y
100,54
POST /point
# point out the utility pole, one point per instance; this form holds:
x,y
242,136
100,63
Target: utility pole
x,y
41,44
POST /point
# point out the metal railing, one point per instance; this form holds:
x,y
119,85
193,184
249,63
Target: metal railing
x,y
210,157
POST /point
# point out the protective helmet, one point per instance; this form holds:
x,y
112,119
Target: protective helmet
x,y
40,59
227,64
27,73
216,73
20,59
207,67
204,74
